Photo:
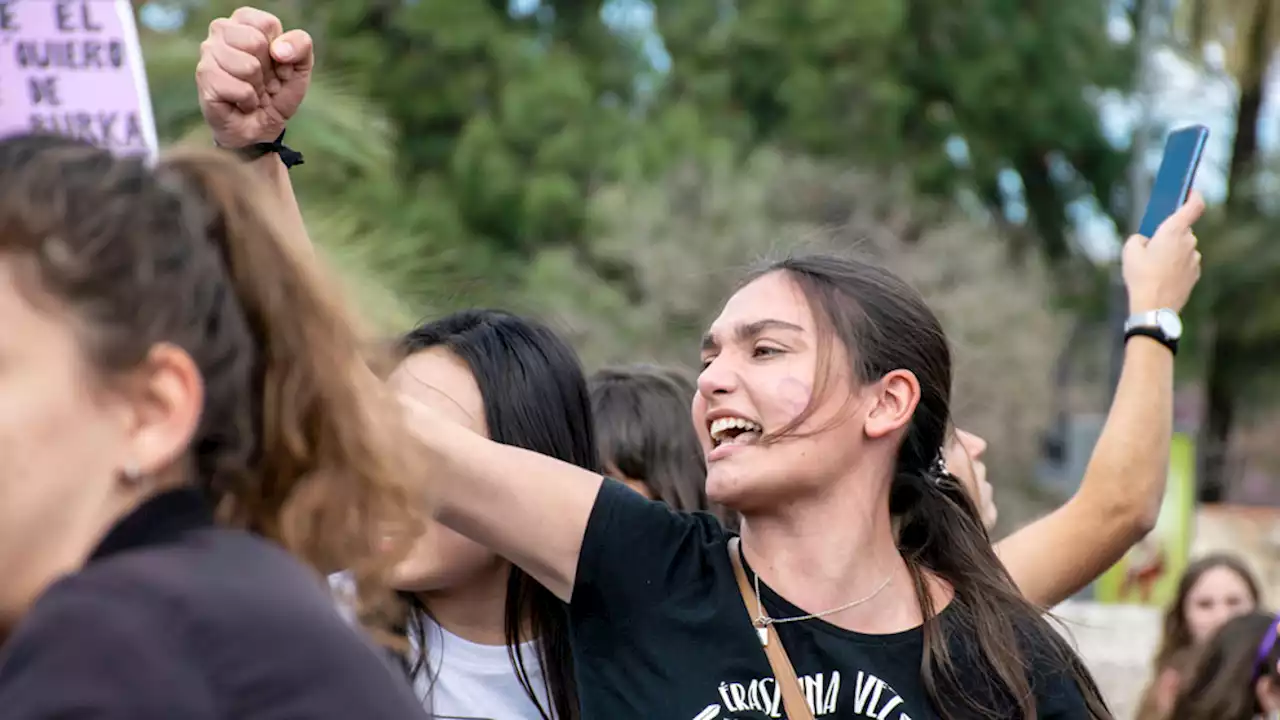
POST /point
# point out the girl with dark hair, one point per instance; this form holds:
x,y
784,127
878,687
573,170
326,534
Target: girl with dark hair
x,y
1235,675
179,427
1212,590
822,410
496,642
646,440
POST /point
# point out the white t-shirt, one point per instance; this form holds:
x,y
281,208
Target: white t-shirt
x,y
466,680
463,679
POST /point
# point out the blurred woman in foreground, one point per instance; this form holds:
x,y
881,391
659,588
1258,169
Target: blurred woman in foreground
x,y
166,356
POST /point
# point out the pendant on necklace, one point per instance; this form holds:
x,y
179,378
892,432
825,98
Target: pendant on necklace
x,y
763,632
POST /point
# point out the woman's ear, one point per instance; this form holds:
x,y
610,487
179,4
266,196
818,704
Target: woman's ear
x,y
165,402
894,402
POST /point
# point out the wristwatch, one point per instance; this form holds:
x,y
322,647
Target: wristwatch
x,y
1163,325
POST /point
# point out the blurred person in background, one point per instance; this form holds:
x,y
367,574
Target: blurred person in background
x,y
1235,675
167,360
496,642
1212,590
646,440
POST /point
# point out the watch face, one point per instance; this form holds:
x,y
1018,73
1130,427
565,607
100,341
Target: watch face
x,y
1170,324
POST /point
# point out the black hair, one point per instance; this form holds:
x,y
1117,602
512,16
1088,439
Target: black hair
x,y
535,397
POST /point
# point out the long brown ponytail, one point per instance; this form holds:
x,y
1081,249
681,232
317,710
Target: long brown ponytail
x,y
324,467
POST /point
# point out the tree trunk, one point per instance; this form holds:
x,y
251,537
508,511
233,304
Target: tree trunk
x,y
1215,434
1221,393
1244,150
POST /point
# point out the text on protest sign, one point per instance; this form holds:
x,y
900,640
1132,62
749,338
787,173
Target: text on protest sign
x,y
74,67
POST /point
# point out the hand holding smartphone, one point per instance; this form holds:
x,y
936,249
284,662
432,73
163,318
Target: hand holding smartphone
x,y
1159,275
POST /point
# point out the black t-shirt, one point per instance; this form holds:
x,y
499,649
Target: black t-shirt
x,y
660,631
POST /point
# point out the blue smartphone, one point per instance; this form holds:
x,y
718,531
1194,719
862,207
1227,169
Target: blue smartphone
x,y
1182,153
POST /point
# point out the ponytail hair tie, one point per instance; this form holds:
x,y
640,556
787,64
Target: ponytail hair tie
x,y
938,471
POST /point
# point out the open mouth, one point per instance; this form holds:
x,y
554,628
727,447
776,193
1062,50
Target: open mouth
x,y
734,431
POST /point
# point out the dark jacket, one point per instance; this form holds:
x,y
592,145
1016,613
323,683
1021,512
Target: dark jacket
x,y
175,618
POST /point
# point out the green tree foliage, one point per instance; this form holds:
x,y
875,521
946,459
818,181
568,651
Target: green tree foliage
x,y
897,84
513,117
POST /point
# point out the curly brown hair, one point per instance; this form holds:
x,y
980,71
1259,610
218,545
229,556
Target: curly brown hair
x,y
297,442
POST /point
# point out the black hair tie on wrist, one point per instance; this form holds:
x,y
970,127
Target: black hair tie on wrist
x,y
288,155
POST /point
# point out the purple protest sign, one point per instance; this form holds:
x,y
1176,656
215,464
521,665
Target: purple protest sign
x,y
74,67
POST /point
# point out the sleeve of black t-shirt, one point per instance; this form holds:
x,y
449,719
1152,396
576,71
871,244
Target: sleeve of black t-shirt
x,y
638,554
97,656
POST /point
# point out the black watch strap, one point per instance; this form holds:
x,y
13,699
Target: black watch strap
x,y
288,155
1154,334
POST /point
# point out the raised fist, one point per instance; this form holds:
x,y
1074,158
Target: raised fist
x,y
252,77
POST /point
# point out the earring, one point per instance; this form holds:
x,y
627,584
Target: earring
x,y
130,475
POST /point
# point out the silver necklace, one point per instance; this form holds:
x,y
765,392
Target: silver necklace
x,y
763,621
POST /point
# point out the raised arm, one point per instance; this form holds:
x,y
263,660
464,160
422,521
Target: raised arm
x,y
531,509
1119,498
251,79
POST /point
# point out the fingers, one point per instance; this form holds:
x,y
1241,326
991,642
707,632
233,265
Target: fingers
x,y
260,20
1186,216
294,48
240,50
294,54
279,55
1192,209
219,87
1133,245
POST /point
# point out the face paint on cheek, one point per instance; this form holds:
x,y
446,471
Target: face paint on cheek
x,y
794,396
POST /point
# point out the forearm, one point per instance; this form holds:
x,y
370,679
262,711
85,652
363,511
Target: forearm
x,y
1125,479
529,508
1058,555
276,176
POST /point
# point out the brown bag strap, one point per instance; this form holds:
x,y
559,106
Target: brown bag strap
x,y
794,706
